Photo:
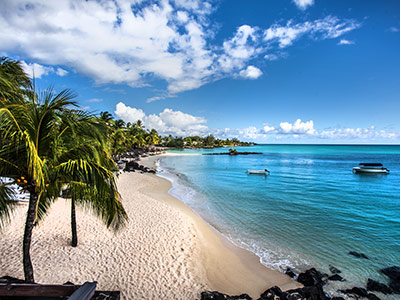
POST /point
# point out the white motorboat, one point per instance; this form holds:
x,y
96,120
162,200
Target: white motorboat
x,y
371,168
258,172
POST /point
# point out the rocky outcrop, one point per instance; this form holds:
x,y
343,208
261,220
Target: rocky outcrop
x,y
312,277
220,296
376,286
394,275
131,166
336,277
334,270
358,254
290,273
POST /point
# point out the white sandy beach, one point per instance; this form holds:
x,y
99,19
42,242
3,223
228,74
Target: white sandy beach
x,y
166,251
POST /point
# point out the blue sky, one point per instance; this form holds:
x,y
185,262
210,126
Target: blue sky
x,y
273,71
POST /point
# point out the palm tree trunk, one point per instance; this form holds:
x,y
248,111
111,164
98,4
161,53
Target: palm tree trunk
x,y
74,241
26,247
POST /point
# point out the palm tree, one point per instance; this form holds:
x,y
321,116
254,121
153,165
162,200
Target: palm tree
x,y
104,202
37,158
106,117
14,83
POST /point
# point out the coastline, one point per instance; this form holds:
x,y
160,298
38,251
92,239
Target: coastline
x,y
229,268
165,250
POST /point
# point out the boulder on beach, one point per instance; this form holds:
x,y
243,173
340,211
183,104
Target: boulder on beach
x,y
290,272
373,285
312,277
214,295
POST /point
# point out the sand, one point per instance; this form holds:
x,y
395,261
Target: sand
x,y
165,251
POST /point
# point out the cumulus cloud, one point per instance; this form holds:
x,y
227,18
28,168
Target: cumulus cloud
x,y
167,122
369,133
37,70
128,114
298,127
178,123
171,40
306,132
303,4
251,72
345,42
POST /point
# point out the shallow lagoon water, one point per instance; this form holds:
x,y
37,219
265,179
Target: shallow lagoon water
x,y
310,211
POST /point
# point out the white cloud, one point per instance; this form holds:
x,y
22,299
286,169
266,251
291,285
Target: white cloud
x,y
329,27
36,70
251,72
171,40
128,114
167,122
61,72
303,4
394,29
345,42
177,123
298,127
95,100
369,133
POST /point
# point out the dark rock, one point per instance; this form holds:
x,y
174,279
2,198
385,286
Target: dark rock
x,y
358,254
392,272
337,298
241,297
271,293
356,291
395,286
373,285
311,277
334,270
373,297
315,292
290,273
336,277
294,296
208,295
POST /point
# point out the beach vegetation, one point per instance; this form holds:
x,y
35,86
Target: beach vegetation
x,y
201,142
47,143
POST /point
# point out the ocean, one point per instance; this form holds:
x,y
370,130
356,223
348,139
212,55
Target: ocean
x,y
309,212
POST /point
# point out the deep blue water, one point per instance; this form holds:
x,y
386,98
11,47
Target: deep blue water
x,y
310,211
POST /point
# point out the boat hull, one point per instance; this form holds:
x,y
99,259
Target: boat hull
x,y
371,170
257,172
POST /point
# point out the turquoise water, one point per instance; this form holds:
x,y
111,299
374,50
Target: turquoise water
x,y
310,211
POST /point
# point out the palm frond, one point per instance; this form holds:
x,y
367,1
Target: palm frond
x,y
6,204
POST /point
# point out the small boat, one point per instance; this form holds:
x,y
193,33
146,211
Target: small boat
x,y
372,168
258,172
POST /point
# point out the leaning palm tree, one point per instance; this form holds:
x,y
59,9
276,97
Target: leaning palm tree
x,y
37,158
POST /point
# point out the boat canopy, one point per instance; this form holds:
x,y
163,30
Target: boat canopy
x,y
371,164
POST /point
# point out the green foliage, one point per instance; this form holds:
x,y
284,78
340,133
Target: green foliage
x,y
200,142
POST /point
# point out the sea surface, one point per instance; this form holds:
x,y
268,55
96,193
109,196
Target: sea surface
x,y
309,212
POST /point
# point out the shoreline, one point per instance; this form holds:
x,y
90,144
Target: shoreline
x,y
229,268
165,251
